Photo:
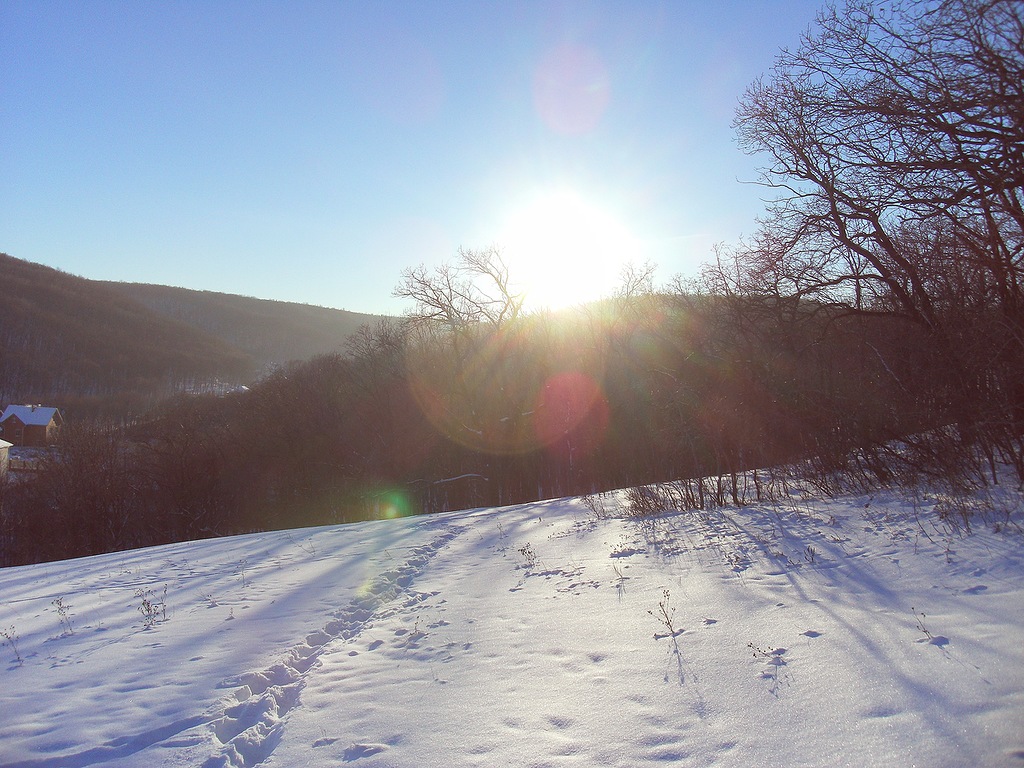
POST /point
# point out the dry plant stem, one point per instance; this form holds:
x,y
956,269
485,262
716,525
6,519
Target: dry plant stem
x,y
666,615
10,637
63,615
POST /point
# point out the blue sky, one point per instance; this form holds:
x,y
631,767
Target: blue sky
x,y
308,151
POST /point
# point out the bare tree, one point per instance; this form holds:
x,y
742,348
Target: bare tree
x,y
894,138
888,122
474,289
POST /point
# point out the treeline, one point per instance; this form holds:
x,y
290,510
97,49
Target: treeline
x,y
422,417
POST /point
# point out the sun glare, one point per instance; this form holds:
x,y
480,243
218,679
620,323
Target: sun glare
x,y
563,250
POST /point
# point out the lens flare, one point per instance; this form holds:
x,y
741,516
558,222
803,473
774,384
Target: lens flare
x,y
515,389
389,503
572,413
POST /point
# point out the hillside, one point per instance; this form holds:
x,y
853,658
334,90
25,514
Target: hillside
x,y
103,347
270,332
854,631
77,343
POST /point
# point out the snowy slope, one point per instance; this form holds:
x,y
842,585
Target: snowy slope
x,y
846,632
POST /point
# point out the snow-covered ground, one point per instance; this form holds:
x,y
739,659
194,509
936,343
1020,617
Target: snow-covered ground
x,y
844,632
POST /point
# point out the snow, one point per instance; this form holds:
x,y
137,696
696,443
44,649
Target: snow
x,y
854,631
30,415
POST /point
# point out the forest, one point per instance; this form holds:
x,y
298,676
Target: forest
x,y
869,334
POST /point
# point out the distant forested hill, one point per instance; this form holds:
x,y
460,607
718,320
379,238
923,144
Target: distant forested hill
x,y
114,348
271,332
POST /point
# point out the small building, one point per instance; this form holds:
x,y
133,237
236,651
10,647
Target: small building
x,y
5,449
30,425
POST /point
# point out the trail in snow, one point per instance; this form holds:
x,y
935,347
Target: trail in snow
x,y
244,727
249,731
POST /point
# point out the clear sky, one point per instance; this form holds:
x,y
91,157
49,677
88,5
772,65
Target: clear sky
x,y
308,151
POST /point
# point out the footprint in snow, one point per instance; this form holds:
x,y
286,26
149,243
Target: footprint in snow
x,y
357,751
812,633
559,721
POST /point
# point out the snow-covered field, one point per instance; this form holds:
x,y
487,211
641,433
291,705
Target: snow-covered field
x,y
845,632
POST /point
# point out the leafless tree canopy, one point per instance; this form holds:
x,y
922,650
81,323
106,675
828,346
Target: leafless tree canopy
x,y
895,144
474,289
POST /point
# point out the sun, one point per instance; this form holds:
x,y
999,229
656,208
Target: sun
x,y
563,249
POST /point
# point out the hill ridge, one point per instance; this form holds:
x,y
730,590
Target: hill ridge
x,y
105,347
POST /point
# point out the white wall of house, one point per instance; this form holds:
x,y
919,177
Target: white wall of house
x,y
5,453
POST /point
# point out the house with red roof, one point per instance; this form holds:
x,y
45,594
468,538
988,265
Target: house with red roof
x,y
30,425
